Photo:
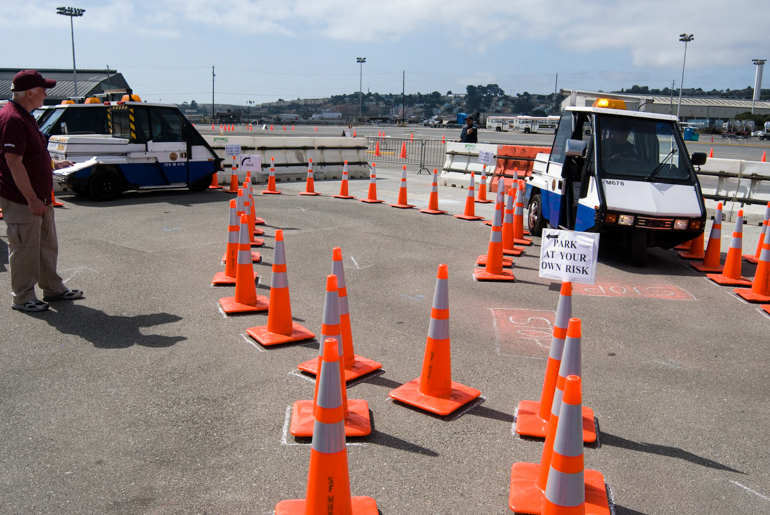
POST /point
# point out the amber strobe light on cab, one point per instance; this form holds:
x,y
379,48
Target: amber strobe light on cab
x,y
609,103
611,218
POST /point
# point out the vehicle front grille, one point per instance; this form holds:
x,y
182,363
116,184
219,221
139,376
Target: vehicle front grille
x,y
655,223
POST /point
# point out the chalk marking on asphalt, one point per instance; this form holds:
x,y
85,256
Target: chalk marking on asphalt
x,y
763,312
221,311
497,333
172,229
285,434
418,298
299,374
665,363
515,416
76,271
469,407
358,267
750,490
733,294
250,342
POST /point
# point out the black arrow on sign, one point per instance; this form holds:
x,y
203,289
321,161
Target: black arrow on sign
x,y
553,236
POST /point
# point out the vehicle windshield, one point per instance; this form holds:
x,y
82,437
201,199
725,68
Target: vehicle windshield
x,y
48,123
641,149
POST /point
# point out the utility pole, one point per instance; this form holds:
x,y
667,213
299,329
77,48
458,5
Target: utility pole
x,y
686,38
212,94
361,61
403,98
757,81
671,98
108,77
72,12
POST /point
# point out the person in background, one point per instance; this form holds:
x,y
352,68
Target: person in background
x,y
469,133
26,185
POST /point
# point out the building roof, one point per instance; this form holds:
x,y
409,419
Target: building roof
x,y
90,82
711,102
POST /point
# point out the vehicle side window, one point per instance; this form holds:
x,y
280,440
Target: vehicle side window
x,y
563,133
142,124
86,120
166,126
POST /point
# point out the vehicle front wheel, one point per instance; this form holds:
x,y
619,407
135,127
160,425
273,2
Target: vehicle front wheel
x,y
638,248
535,215
105,185
201,184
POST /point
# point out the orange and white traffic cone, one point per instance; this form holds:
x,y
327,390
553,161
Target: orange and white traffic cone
x,y
344,194
246,299
371,198
731,275
309,185
470,204
754,259
215,182
483,188
760,286
233,178
507,261
443,141
411,136
434,390
402,202
696,249
231,254
248,211
403,151
509,248
280,327
284,128
354,133
494,261
355,365
357,421
328,482
433,200
54,202
271,180
292,127
212,126
377,149
518,217
529,481
316,129
271,127
254,218
684,246
713,255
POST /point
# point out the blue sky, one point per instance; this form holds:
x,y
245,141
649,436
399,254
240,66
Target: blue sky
x,y
265,50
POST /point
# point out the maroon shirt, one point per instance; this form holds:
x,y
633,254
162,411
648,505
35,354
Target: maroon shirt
x,y
19,134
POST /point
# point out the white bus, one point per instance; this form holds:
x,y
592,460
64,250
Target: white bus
x,y
535,124
500,123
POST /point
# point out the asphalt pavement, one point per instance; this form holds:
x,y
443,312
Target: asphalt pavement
x,y
143,398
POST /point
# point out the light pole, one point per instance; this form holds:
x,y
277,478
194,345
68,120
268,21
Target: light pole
x,y
72,12
686,38
361,61
757,81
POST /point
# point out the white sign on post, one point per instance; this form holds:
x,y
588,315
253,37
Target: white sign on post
x,y
232,150
250,162
486,158
569,256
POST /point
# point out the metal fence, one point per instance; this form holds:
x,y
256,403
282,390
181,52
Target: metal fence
x,y
425,153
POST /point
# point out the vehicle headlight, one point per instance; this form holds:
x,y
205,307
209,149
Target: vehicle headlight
x,y
611,218
681,225
626,220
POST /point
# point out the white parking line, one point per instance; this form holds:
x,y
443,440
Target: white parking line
x,y
250,342
750,490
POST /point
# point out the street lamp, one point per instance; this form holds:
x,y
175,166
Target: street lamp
x,y
72,12
757,81
361,61
686,38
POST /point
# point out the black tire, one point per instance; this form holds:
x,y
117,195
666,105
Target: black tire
x,y
201,184
535,220
79,190
638,248
105,184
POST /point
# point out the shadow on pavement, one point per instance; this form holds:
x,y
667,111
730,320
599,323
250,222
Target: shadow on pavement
x,y
3,256
620,510
181,197
111,331
663,450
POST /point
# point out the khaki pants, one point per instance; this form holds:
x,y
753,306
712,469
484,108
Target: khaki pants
x,y
32,251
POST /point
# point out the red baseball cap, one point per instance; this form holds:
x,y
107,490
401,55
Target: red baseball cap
x,y
28,79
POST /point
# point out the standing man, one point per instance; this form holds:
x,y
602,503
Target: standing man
x,y
26,183
469,133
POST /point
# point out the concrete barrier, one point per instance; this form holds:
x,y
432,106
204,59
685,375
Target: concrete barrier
x,y
461,160
292,155
738,185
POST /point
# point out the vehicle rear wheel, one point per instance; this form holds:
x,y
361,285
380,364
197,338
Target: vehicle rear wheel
x,y
201,184
638,248
105,185
535,215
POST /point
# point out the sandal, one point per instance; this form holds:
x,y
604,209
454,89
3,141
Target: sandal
x,y
31,306
67,295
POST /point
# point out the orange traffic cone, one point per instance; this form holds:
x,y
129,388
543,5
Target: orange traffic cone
x,y
212,126
731,275
509,248
377,149
507,261
344,194
280,328
403,150
271,127
354,133
284,128
493,266
711,153
470,204
518,217
233,178
215,182
316,129
246,299
483,188
328,482
532,416
764,157
271,180
54,203
355,365
713,255
696,249
254,218
755,258
402,203
434,390
411,136
433,200
309,185
372,197
231,255
248,209
530,481
443,141
760,287
684,246
292,127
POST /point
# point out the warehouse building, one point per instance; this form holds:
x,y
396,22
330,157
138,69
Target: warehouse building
x,y
90,83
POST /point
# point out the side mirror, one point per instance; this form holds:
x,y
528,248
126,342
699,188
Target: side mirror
x,y
699,158
575,148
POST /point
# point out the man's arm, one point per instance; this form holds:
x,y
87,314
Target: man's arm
x,y
21,178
